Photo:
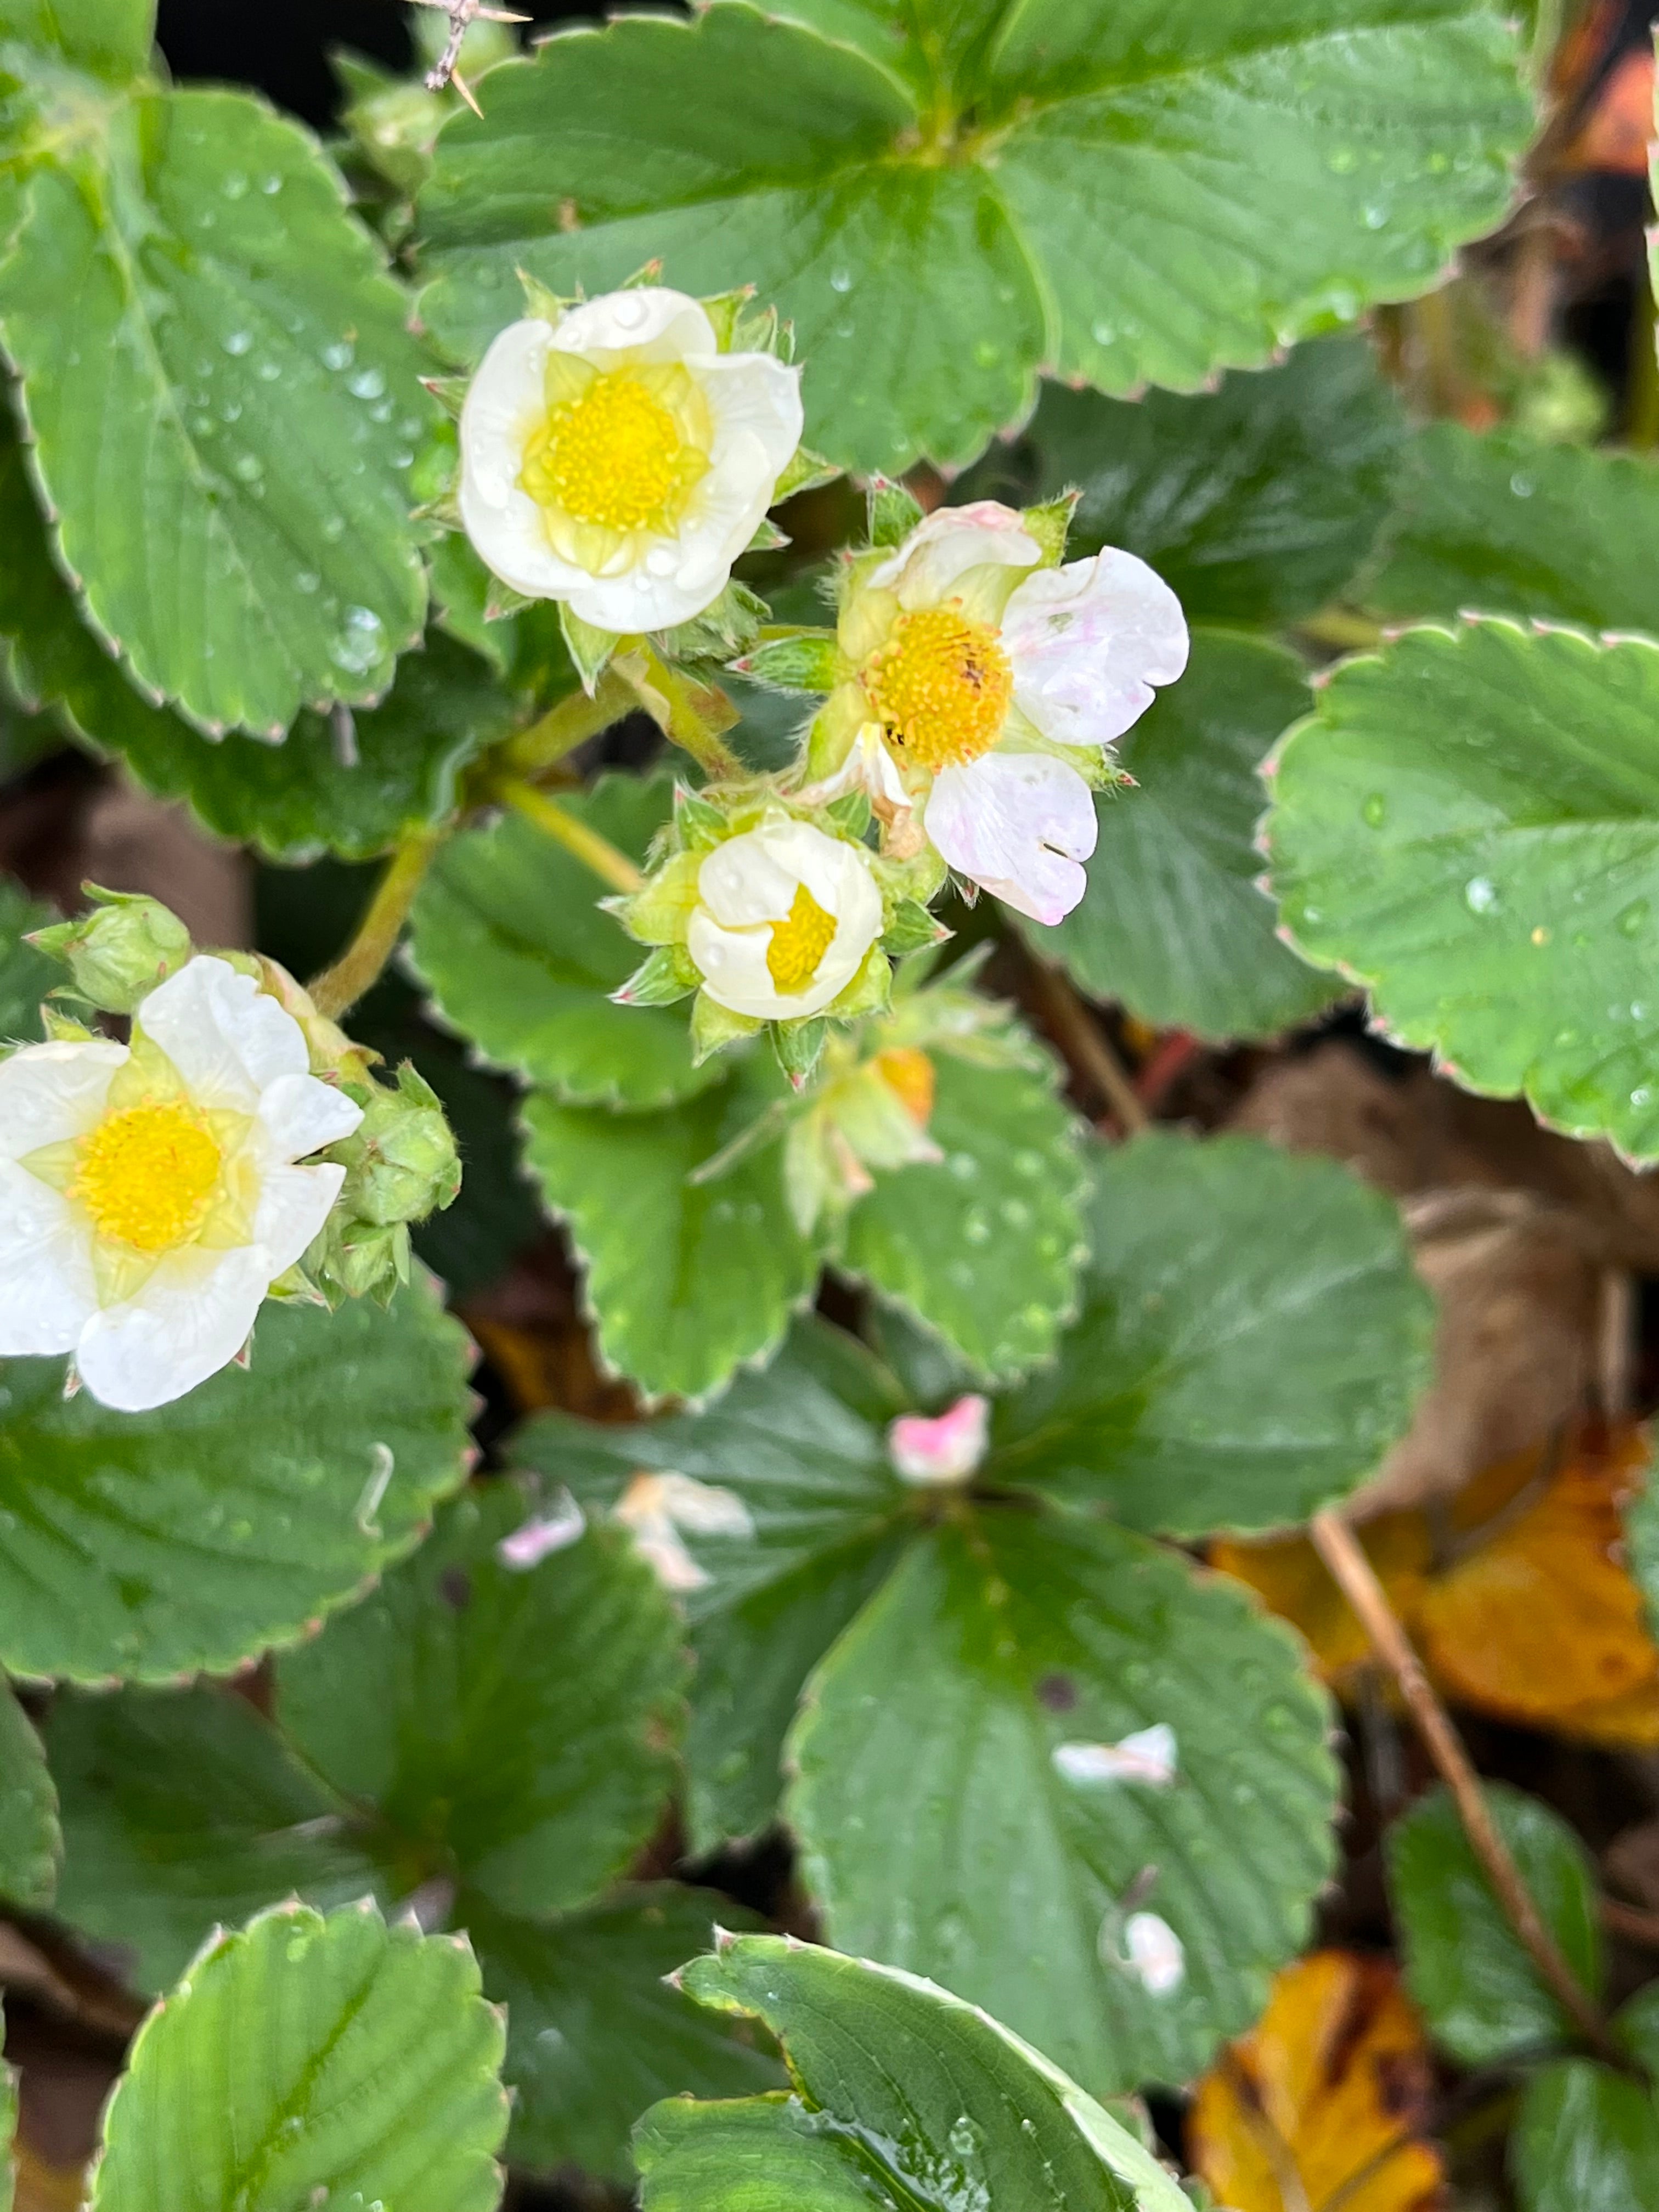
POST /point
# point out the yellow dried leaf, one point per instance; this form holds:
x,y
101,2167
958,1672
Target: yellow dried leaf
x,y
1321,2103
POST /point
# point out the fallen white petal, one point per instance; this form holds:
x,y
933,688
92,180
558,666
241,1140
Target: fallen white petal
x,y
1148,1756
1157,1957
542,1534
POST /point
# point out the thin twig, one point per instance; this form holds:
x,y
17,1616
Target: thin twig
x,y
568,723
1084,1044
1354,1576
462,14
558,821
359,967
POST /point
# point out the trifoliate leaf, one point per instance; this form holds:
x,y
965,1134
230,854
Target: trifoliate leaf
x,y
983,1686
309,2061
1129,204
342,783
1467,824
510,939
903,2094
1256,503
685,1280
1586,2139
985,1246
1173,924
1252,1340
1481,1995
594,2031
803,1449
223,403
145,1545
1509,524
184,1808
30,1844
511,1726
26,975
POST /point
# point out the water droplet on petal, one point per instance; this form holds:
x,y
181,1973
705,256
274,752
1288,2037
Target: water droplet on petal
x,y
1480,895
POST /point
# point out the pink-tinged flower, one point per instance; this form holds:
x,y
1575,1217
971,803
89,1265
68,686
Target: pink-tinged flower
x,y
543,1534
944,1449
996,683
655,1508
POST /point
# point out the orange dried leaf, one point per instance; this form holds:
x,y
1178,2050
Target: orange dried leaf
x,y
1542,1623
1293,1581
1323,2101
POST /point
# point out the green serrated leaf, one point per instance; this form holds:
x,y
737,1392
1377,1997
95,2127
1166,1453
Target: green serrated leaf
x,y
511,1727
1586,2139
803,1446
30,1843
1508,525
1256,503
595,2033
906,2095
1469,1973
26,975
141,1546
1468,824
1172,924
1253,1338
684,1280
184,1808
1192,193
986,1246
510,939
315,2061
994,1646
241,536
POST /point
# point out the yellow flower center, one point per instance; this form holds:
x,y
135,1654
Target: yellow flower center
x,y
146,1177
614,455
942,685
800,942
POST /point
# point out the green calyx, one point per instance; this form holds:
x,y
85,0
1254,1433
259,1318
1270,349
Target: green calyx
x,y
120,952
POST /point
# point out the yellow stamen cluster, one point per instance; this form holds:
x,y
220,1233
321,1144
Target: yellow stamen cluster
x,y
942,685
909,1074
800,942
613,456
146,1177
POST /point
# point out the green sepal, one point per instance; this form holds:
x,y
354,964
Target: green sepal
x,y
765,332
894,511
725,311
661,913
851,814
501,602
727,628
809,660
359,1260
714,1027
805,471
666,975
799,1046
871,990
1049,524
450,393
921,877
59,1028
767,538
912,929
295,1287
443,510
541,304
590,649
701,825
401,1161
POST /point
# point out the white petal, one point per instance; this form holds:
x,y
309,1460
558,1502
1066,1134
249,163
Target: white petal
x,y
543,1534
1148,1756
510,538
228,1039
750,879
637,601
47,1289
52,1092
293,1204
1088,641
1017,824
302,1114
505,402
732,964
1157,1957
701,1509
754,395
948,543
666,324
191,1319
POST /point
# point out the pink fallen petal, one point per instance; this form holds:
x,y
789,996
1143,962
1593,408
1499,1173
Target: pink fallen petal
x,y
540,1536
944,1449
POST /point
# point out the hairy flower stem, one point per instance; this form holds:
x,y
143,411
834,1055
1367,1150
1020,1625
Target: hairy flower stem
x,y
690,715
1353,1572
557,821
358,968
566,725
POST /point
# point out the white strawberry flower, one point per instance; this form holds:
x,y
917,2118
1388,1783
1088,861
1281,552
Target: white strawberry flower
x,y
618,461
149,1193
984,670
784,918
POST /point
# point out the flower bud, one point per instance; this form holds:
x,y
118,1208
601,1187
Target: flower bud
x,y
121,951
359,1260
401,1162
